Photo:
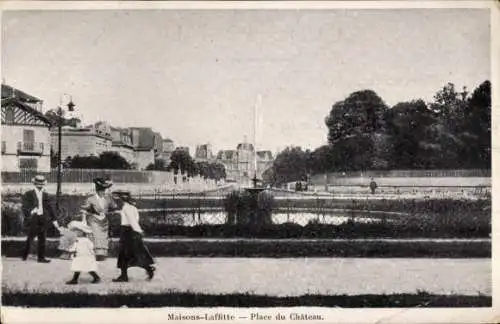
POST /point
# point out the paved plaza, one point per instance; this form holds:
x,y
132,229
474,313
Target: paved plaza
x,y
264,276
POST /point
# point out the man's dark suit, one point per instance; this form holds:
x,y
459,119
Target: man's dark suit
x,y
36,225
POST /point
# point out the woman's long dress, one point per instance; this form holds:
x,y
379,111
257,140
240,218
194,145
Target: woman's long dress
x,y
133,252
95,212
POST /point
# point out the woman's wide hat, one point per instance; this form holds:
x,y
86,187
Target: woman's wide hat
x,y
39,180
123,195
103,183
79,226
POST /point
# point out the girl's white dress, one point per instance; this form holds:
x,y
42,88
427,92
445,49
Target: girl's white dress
x,y
84,259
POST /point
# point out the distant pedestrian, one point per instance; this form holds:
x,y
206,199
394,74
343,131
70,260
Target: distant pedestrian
x,y
84,256
373,186
132,251
38,214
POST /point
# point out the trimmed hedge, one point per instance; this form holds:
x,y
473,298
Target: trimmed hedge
x,y
444,218
240,300
290,230
292,248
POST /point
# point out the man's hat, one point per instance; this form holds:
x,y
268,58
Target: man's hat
x,y
80,226
103,183
39,180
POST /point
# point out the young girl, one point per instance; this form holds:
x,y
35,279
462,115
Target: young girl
x,y
84,258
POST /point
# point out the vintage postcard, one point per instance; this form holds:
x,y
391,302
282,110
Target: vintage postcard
x,y
323,162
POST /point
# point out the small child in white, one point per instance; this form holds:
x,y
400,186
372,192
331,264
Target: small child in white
x,y
84,258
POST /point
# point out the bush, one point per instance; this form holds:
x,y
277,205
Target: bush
x,y
244,207
12,218
231,206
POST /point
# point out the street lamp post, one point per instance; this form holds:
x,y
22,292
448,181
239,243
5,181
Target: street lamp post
x,y
60,120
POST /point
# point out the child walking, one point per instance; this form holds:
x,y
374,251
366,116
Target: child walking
x,y
84,258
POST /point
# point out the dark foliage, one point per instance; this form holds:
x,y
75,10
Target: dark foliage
x,y
240,300
451,132
285,248
245,208
106,160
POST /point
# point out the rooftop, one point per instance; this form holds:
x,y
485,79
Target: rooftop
x,y
11,92
25,107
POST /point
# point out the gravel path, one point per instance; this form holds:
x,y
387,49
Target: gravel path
x,y
278,277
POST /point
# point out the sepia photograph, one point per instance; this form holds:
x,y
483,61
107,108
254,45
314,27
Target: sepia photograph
x,y
237,162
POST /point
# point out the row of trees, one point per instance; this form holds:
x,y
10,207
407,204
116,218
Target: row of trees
x,y
180,161
105,160
451,132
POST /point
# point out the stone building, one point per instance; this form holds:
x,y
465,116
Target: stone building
x,y
122,144
148,146
83,141
244,163
167,148
204,153
25,132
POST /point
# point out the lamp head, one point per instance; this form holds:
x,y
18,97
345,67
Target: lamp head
x,y
71,106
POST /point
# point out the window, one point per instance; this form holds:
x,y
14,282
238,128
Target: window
x,y
28,136
4,146
31,164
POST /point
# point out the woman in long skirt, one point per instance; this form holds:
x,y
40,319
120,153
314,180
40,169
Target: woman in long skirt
x,y
96,210
132,251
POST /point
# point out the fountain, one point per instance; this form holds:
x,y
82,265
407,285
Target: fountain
x,y
255,190
258,212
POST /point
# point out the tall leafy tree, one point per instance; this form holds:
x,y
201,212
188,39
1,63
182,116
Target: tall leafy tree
x,y
180,160
361,113
113,160
291,164
355,131
407,123
157,165
476,131
54,119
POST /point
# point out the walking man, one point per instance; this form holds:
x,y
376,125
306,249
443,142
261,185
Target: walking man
x,y
38,213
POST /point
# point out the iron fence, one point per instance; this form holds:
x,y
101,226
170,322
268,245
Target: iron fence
x,y
302,208
480,173
180,214
79,175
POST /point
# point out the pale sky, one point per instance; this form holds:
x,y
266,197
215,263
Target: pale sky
x,y
197,76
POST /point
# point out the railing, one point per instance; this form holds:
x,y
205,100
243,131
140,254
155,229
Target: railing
x,y
87,176
79,176
320,178
30,147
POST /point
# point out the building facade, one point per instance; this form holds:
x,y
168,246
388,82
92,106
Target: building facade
x,y
25,132
168,148
244,163
229,158
122,144
148,146
204,153
82,141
